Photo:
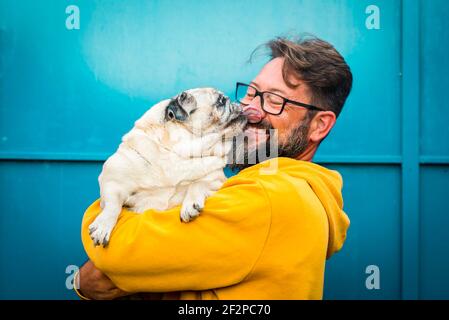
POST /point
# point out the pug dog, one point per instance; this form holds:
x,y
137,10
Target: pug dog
x,y
174,154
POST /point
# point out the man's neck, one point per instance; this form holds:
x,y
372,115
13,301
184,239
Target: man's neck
x,y
308,154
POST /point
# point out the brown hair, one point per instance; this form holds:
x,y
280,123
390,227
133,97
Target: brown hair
x,y
318,64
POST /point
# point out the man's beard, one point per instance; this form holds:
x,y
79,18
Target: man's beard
x,y
249,151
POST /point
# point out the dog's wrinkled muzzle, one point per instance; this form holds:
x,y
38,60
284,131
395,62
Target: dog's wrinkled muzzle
x,y
236,108
232,111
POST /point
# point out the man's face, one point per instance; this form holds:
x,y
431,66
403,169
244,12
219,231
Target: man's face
x,y
291,126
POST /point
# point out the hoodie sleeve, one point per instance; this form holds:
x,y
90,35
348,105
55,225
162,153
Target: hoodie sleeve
x,y
155,252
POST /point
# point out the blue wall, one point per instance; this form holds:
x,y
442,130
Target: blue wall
x,y
67,96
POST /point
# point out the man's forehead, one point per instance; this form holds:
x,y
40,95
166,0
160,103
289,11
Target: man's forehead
x,y
270,78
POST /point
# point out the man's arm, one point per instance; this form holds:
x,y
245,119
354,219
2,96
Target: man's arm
x,y
94,284
155,252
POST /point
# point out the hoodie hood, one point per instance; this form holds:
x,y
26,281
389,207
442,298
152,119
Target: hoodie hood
x,y
327,185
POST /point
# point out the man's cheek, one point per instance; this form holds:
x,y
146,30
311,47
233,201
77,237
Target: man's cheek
x,y
282,135
253,140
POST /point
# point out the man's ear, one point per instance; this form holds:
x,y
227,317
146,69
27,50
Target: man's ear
x,y
320,125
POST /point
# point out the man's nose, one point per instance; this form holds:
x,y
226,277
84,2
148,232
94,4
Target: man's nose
x,y
254,111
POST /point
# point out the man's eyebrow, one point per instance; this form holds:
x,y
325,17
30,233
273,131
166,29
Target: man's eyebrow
x,y
274,90
252,83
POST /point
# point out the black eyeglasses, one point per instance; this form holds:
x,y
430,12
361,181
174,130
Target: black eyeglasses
x,y
270,102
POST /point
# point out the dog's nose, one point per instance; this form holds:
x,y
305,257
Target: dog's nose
x,y
236,108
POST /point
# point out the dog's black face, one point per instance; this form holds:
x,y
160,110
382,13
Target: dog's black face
x,y
185,104
204,109
175,111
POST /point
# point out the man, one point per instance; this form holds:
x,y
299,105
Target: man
x,y
263,235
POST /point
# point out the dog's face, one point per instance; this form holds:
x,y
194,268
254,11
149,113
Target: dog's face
x,y
205,110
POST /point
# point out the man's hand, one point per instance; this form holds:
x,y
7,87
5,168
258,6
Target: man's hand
x,y
94,284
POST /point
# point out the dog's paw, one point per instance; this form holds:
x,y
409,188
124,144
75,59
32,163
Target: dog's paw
x,y
190,211
100,230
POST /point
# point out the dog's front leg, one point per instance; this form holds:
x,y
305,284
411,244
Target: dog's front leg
x,y
197,193
112,199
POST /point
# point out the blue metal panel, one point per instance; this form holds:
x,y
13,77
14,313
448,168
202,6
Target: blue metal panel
x,y
410,148
95,81
372,199
434,262
41,209
435,80
434,150
67,96
52,250
368,125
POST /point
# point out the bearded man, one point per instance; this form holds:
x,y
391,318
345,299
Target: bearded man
x,y
266,234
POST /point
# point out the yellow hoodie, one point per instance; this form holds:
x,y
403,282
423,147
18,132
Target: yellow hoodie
x,y
263,235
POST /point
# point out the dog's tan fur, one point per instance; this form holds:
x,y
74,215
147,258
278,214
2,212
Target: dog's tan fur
x,y
153,167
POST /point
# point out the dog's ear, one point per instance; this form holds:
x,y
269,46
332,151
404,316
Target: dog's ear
x,y
154,116
175,111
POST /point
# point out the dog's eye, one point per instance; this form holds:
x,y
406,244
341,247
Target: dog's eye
x,y
192,111
171,114
222,100
182,97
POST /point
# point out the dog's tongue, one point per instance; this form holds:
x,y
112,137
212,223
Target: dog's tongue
x,y
253,115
